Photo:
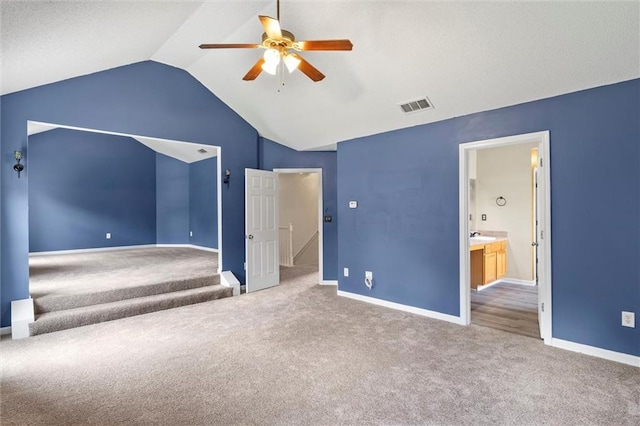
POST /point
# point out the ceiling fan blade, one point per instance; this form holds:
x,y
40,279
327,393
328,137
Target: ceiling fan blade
x,y
255,70
325,45
271,27
229,46
309,70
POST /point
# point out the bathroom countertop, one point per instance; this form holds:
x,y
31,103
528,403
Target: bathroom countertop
x,y
479,245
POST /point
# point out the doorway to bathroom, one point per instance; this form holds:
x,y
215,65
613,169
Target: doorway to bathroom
x,y
504,240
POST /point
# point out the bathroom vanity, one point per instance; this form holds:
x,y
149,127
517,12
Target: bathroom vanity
x,y
488,260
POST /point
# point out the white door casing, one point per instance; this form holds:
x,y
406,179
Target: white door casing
x,y
543,232
261,230
536,243
321,214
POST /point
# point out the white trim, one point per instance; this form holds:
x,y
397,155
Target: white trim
x,y
400,307
516,281
91,250
486,286
22,314
118,248
193,246
542,138
219,207
510,281
203,248
329,282
5,330
320,216
228,279
597,352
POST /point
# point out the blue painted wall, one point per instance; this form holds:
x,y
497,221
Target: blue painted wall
x,y
203,202
146,98
83,185
405,228
276,156
172,200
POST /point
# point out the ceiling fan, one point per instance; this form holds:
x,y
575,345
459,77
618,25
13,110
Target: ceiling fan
x,y
281,46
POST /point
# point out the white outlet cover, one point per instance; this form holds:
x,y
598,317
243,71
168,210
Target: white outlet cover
x,y
346,272
108,235
353,204
629,319
368,275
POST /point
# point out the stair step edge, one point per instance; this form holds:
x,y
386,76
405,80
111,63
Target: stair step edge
x,y
136,301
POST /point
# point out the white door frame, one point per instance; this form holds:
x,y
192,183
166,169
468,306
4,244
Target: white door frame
x,y
544,230
320,217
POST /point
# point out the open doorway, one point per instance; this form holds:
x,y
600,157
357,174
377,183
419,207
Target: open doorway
x,y
131,219
501,219
301,222
504,234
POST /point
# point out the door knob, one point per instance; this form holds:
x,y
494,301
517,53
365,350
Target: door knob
x,y
250,237
534,244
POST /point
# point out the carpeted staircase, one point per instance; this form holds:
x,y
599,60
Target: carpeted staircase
x,y
63,311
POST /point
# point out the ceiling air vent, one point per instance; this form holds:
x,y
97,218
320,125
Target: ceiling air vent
x,y
202,151
415,106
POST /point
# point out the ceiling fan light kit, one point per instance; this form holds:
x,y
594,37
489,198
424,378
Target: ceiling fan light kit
x,y
280,47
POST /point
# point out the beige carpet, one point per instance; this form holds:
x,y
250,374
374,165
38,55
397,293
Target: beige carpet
x,y
78,273
297,354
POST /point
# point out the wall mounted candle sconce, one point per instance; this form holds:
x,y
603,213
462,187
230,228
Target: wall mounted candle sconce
x,y
227,176
18,167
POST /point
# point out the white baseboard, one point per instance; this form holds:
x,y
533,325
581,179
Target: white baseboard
x,y
517,281
597,352
100,249
5,330
203,248
22,314
329,282
400,307
193,246
514,281
483,287
90,250
227,279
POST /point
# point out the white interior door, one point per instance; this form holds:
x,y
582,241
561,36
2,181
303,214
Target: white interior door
x,y
261,229
535,243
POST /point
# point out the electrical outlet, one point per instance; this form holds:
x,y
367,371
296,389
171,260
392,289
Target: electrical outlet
x,y
346,272
484,217
368,279
191,233
628,319
108,235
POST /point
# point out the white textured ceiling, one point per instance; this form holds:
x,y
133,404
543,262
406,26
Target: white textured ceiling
x,y
465,56
186,152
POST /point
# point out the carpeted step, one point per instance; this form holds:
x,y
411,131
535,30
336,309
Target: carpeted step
x,y
78,317
58,302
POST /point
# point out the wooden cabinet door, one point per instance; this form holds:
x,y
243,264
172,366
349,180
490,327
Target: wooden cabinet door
x,y
490,270
501,264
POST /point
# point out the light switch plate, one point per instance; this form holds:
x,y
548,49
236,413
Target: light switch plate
x,y
108,235
346,272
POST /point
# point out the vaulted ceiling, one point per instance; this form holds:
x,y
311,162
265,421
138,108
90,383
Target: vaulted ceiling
x,y
464,56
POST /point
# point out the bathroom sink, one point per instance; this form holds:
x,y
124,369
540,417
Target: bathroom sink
x,y
480,240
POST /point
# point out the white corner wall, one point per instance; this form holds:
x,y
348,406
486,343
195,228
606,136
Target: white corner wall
x,y
506,172
299,206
